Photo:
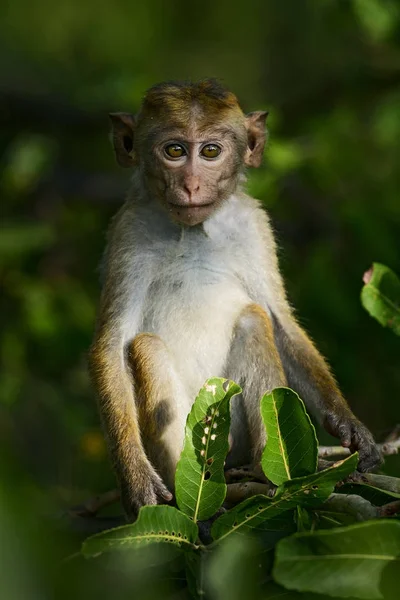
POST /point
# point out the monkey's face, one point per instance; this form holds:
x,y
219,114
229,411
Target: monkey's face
x,y
190,142
193,172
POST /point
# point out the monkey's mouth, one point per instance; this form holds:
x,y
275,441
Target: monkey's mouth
x,y
190,214
177,206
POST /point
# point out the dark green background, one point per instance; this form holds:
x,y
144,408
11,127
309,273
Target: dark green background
x,y
329,74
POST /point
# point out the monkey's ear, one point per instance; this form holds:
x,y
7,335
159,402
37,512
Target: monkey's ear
x,y
256,136
123,128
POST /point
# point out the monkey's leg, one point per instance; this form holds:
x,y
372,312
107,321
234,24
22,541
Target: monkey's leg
x,y
161,403
254,363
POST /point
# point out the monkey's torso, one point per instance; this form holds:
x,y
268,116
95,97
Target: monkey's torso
x,y
175,279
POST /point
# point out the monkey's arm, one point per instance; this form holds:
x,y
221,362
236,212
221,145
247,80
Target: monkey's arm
x,y
118,321
306,370
139,483
308,373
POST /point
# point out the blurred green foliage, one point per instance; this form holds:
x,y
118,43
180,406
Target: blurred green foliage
x,y
329,74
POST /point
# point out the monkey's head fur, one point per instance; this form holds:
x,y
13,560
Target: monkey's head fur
x,y
190,143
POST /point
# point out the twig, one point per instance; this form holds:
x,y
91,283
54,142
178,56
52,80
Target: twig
x,y
389,510
359,507
252,472
333,451
383,482
84,526
82,518
387,448
237,492
356,506
91,507
390,447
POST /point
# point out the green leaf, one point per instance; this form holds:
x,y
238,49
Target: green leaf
x,y
347,561
268,514
380,296
200,486
303,519
329,519
375,495
194,569
154,524
236,569
292,449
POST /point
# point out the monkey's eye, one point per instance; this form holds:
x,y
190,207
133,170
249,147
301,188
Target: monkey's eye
x,y
210,151
174,150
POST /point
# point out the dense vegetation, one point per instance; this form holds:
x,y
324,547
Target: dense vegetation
x,y
337,550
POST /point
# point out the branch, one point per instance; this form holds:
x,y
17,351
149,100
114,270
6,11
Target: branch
x,y
360,508
82,518
91,507
383,482
237,492
247,481
389,510
238,474
352,505
390,446
85,526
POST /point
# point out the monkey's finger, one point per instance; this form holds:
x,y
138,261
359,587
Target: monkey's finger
x,y
166,495
370,457
163,492
369,454
369,462
345,435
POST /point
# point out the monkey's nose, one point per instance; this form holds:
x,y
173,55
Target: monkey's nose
x,y
192,185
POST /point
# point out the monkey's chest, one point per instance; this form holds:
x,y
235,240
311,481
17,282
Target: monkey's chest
x,y
193,306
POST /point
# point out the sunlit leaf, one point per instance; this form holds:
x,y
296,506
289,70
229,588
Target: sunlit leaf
x,y
291,450
200,486
380,296
154,524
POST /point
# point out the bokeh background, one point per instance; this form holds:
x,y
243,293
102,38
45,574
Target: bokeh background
x,y
329,74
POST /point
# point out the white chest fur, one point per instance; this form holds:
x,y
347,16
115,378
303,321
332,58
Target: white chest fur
x,y
194,281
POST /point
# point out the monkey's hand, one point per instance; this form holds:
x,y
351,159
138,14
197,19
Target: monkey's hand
x,y
140,487
354,435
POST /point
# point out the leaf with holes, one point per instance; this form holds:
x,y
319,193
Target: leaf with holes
x,y
261,512
360,560
380,296
291,450
200,486
154,524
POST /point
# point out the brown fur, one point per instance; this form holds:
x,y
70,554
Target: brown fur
x,y
254,363
193,290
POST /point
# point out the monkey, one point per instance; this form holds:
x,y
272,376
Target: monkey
x,y
192,289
